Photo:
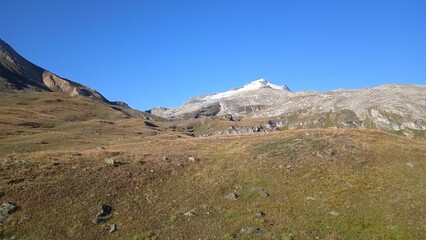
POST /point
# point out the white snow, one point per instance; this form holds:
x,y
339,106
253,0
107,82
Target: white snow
x,y
255,85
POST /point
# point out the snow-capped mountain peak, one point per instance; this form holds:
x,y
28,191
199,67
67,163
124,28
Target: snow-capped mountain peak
x,y
254,85
263,83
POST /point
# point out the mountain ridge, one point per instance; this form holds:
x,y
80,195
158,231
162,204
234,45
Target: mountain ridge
x,y
394,107
251,86
17,73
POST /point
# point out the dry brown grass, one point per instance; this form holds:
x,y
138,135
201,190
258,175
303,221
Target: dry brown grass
x,y
373,180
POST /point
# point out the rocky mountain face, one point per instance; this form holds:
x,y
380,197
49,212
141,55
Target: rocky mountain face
x,y
20,75
388,107
17,73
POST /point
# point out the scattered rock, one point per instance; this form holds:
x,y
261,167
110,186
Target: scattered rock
x,y
23,161
260,214
112,228
311,199
150,124
289,168
262,192
360,161
43,142
318,154
100,148
7,208
189,213
111,161
232,196
2,218
410,164
9,238
346,185
105,214
334,213
233,130
106,210
227,117
250,230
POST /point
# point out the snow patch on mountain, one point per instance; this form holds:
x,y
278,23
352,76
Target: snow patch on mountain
x,y
255,85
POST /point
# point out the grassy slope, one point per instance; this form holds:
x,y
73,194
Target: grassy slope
x,y
360,174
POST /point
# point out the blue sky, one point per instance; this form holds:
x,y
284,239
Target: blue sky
x,y
162,52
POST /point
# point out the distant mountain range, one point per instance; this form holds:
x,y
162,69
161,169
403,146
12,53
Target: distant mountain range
x,y
389,107
399,108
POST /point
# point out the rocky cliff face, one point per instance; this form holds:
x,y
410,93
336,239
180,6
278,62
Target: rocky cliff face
x,y
388,107
17,73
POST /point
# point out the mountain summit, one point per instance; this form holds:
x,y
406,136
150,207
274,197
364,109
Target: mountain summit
x,y
239,101
263,83
252,86
390,107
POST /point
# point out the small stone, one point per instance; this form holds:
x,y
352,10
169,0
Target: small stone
x,y
111,161
410,164
105,214
192,159
310,199
346,185
260,214
165,158
100,148
251,230
9,238
189,214
7,208
112,228
262,192
334,213
2,218
289,168
106,210
232,196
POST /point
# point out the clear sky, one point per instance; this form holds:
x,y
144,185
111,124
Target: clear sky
x,y
161,52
